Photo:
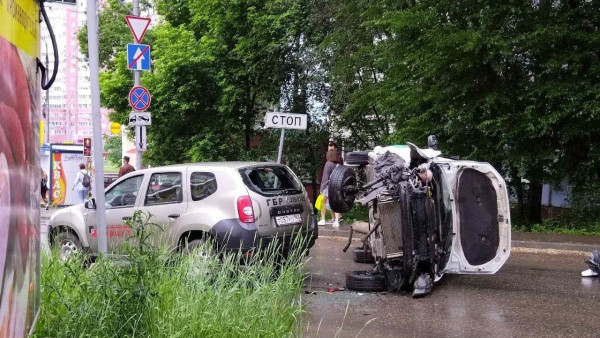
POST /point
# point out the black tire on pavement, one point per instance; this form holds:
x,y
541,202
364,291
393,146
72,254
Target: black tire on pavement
x,y
340,199
365,281
361,255
357,157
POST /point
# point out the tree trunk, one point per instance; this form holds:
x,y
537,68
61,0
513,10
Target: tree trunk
x,y
534,215
520,195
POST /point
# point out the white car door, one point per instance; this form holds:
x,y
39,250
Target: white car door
x,y
165,200
121,202
481,217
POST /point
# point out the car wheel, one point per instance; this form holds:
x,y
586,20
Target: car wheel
x,y
199,243
68,245
362,255
357,157
365,281
342,189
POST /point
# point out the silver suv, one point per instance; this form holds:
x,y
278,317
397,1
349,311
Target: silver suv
x,y
240,205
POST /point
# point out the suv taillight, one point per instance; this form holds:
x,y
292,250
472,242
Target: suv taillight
x,y
245,210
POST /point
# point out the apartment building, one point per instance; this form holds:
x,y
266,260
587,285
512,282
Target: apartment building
x,y
68,103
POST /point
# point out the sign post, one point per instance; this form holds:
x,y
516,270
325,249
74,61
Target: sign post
x,y
138,59
284,121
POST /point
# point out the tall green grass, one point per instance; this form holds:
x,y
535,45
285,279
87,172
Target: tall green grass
x,y
154,293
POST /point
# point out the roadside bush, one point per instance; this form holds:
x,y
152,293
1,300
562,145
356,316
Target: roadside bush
x,y
358,213
151,292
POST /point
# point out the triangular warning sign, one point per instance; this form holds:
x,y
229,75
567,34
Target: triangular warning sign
x,y
138,26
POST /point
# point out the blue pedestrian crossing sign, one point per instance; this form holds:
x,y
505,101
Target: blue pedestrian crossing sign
x,y
138,56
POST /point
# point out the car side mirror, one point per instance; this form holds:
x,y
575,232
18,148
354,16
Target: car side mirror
x,y
432,142
90,204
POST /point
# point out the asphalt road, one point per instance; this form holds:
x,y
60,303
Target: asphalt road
x,y
538,293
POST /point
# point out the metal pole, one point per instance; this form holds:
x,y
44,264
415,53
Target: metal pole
x,y
136,82
279,155
47,107
92,21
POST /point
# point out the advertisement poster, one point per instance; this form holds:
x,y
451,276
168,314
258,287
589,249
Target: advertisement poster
x,y
65,161
20,173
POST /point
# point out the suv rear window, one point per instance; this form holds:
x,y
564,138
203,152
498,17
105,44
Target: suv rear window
x,y
271,180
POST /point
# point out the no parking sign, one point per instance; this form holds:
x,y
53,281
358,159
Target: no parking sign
x,y
139,98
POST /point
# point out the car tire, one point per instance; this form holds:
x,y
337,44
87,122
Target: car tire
x,y
196,243
68,244
365,281
340,199
361,255
357,158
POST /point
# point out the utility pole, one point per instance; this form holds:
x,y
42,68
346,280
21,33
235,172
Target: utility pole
x,y
136,82
47,107
98,192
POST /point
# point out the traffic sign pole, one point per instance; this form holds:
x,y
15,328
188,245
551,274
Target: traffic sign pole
x,y
281,139
136,82
285,121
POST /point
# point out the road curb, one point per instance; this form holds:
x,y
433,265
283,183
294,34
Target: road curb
x,y
345,231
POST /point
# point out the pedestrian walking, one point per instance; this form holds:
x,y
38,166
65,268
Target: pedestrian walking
x,y
44,188
81,184
332,157
126,168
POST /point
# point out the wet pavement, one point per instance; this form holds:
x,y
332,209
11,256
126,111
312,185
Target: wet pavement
x,y
538,293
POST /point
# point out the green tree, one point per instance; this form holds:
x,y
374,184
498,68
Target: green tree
x,y
513,83
217,67
112,146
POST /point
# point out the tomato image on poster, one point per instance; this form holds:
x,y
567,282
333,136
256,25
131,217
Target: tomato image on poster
x,y
20,174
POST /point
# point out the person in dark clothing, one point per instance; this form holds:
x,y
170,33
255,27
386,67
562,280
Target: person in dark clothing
x,y
44,188
126,168
332,158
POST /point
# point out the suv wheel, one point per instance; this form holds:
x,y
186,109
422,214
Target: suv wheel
x,y
68,245
357,157
362,255
194,244
342,187
365,281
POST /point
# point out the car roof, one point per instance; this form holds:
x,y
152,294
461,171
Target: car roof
x,y
214,165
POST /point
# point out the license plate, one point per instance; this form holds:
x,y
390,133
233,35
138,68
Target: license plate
x,y
288,219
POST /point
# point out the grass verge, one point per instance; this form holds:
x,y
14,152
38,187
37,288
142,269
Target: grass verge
x,y
152,293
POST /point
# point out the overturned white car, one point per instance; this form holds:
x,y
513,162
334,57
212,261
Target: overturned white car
x,y
428,215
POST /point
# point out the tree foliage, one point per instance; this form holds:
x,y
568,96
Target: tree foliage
x,y
514,83
112,146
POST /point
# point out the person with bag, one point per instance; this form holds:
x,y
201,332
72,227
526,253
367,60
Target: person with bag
x,y
44,189
332,158
81,184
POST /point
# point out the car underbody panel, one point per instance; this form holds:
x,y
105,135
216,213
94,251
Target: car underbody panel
x,y
429,214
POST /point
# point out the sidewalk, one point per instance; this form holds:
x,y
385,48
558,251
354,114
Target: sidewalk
x,y
519,239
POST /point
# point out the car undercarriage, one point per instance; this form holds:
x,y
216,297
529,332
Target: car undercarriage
x,y
419,218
